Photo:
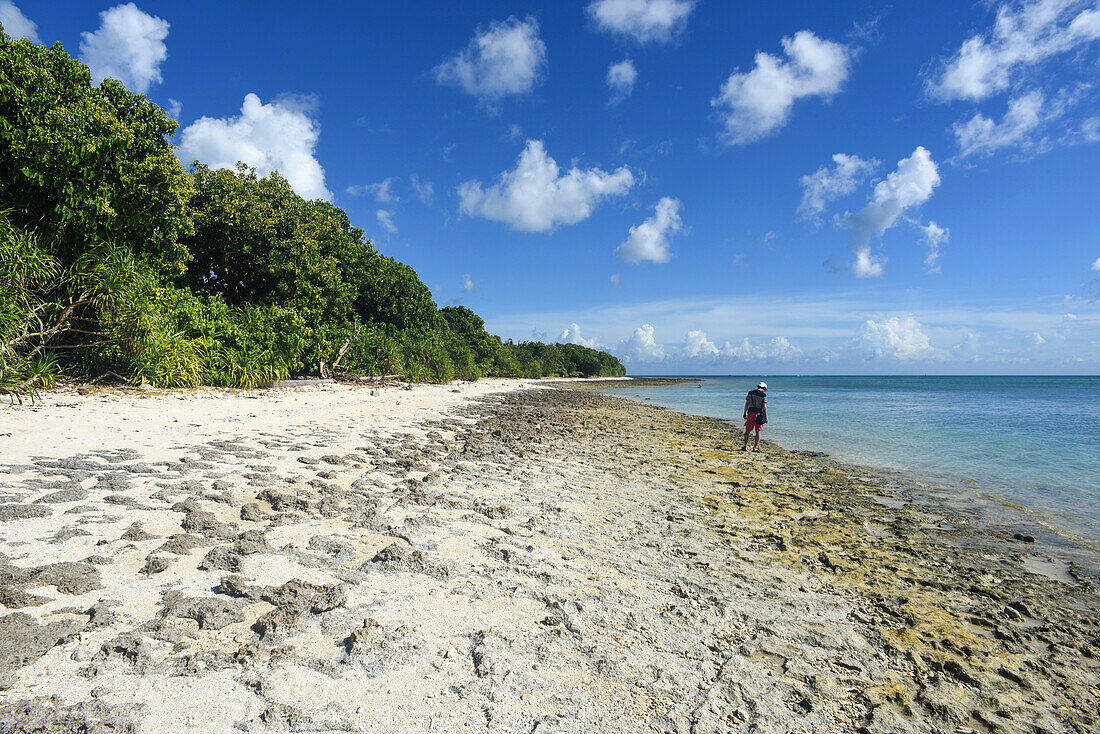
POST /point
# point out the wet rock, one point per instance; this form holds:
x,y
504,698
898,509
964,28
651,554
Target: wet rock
x,y
1023,538
308,461
10,511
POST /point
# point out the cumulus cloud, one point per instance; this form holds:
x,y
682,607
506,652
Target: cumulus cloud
x,y
1024,35
385,219
382,191
650,240
1026,115
537,197
572,335
620,80
934,235
828,184
16,24
697,346
425,190
507,58
778,348
894,338
128,46
641,346
616,280
642,20
468,283
280,136
1036,339
756,103
908,187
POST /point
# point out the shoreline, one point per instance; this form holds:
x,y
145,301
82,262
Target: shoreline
x,y
500,558
994,503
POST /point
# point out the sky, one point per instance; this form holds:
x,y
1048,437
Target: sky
x,y
697,186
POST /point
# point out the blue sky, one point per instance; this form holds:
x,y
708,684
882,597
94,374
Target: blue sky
x,y
698,187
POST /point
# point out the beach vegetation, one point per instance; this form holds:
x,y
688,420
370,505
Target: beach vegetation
x,y
116,260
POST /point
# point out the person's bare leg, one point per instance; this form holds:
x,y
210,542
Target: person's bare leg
x,y
756,446
746,446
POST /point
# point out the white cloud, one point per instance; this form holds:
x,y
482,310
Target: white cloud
x,y
642,20
616,280
175,107
758,102
16,24
508,58
641,346
1036,339
382,191
128,46
425,190
1096,265
468,283
697,346
1026,114
536,197
894,338
280,136
650,239
620,79
385,218
908,187
572,335
828,184
1024,35
934,236
777,348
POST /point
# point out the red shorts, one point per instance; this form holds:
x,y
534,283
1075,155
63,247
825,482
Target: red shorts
x,y
755,421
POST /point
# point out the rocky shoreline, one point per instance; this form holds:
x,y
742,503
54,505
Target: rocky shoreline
x,y
528,560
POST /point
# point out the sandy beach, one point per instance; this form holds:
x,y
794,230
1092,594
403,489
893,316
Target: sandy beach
x,y
500,556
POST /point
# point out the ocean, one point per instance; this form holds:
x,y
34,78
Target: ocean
x,y
1029,443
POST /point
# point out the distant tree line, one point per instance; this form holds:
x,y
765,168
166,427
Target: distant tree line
x,y
115,258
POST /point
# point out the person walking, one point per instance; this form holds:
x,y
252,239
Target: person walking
x,y
755,414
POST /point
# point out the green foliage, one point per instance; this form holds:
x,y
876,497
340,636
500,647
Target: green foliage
x,y
87,164
113,258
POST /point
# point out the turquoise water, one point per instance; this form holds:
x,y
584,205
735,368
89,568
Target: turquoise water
x,y
1034,441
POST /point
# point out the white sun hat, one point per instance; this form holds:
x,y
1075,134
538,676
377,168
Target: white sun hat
x,y
763,385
